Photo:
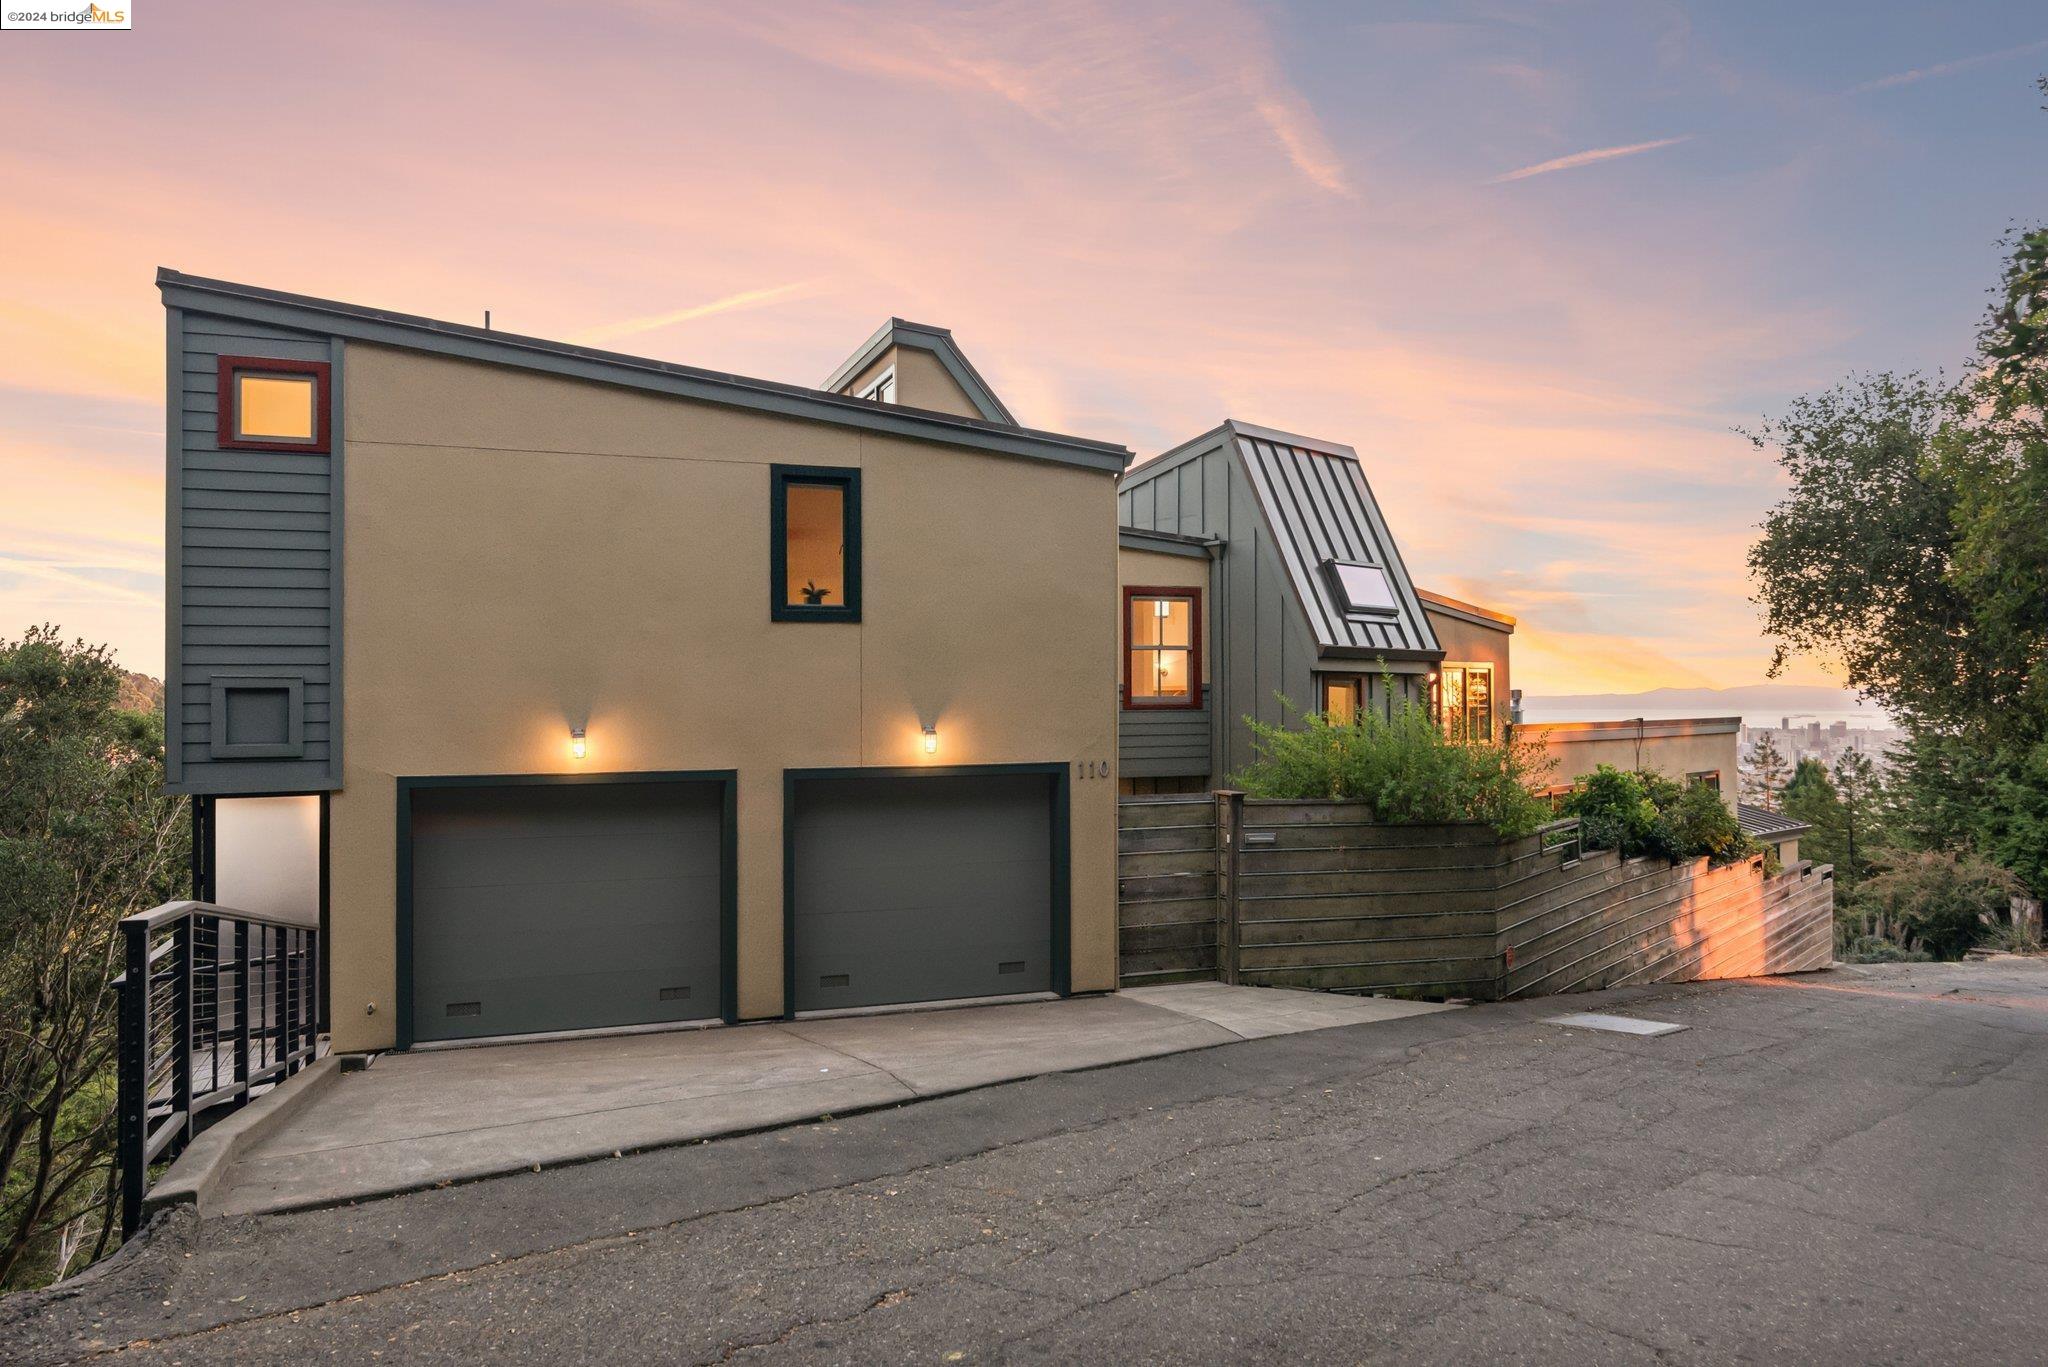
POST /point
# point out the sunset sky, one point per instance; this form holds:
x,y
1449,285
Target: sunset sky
x,y
1535,261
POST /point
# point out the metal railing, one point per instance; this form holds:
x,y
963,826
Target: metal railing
x,y
215,1005
1565,837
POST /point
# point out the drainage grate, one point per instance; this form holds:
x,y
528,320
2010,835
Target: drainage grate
x,y
465,1008
836,980
675,994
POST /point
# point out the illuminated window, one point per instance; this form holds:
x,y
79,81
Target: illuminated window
x,y
1465,702
1365,587
1162,648
815,526
1343,699
273,405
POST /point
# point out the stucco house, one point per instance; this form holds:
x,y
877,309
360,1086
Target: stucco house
x,y
578,690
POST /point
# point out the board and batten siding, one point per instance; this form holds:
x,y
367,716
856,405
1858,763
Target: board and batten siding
x,y
1262,648
253,582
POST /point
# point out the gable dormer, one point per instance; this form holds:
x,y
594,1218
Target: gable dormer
x,y
918,366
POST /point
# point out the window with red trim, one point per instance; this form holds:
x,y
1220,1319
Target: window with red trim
x,y
273,405
1162,647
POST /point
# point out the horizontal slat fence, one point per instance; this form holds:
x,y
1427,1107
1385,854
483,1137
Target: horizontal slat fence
x,y
1319,895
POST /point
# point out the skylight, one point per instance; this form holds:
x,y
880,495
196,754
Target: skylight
x,y
1365,587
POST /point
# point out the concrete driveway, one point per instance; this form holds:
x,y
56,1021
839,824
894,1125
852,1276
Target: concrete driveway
x,y
433,1117
1843,1168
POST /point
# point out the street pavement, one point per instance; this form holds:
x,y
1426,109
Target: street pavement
x,y
1843,1167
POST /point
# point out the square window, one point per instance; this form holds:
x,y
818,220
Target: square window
x,y
273,405
1343,700
815,557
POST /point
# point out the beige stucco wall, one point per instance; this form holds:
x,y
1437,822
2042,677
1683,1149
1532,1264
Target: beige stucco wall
x,y
525,552
1671,748
921,382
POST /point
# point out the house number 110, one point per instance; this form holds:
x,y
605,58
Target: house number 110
x,y
1091,768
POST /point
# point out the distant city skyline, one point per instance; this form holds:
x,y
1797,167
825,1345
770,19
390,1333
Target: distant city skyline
x,y
1535,265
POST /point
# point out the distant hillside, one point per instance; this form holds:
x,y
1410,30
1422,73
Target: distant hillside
x,y
1758,704
140,693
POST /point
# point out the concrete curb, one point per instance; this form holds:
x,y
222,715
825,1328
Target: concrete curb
x,y
196,1177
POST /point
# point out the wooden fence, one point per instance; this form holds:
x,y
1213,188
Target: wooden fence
x,y
1317,894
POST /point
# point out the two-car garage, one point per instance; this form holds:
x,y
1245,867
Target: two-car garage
x,y
546,904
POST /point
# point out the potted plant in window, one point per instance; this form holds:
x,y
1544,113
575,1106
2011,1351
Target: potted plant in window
x,y
813,595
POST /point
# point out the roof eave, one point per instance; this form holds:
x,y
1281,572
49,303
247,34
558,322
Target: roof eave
x,y
354,322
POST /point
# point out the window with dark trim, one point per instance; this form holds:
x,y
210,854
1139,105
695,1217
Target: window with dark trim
x,y
1343,698
271,405
1465,701
1705,778
814,555
1162,647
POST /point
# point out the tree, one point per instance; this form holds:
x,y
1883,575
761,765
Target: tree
x,y
1943,903
87,836
1855,785
1910,551
1766,775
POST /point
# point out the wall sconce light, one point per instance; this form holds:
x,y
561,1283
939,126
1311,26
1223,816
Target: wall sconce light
x,y
578,747
931,740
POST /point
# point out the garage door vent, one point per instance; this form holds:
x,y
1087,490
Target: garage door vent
x,y
1010,966
465,1008
836,980
675,994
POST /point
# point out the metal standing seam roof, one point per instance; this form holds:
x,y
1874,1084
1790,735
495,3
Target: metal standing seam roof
x,y
1768,825
1319,508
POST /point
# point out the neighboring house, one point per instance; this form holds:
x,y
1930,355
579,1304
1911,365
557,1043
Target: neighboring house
x,y
577,690
1683,749
1256,566
1774,829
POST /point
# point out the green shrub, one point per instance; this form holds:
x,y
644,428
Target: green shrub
x,y
1937,900
1404,766
1641,813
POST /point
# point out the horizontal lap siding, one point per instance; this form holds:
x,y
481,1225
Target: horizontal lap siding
x,y
1329,898
256,562
1163,743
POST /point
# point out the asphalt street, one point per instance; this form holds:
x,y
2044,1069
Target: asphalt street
x,y
1845,1167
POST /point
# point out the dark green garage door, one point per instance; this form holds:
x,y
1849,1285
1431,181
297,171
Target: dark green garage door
x,y
564,906
929,888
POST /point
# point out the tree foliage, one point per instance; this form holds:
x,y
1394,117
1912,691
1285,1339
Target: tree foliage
x,y
1765,778
1403,765
1937,901
86,837
1642,813
1911,551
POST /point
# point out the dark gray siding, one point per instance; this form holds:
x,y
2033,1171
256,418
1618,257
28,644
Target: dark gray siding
x,y
252,584
1167,742
1261,647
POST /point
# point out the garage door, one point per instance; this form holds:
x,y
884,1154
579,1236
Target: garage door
x,y
926,888
564,906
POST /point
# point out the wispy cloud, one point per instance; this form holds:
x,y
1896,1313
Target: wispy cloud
x,y
1576,159
1939,69
654,322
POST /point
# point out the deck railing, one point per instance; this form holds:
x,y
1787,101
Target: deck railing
x,y
215,1006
